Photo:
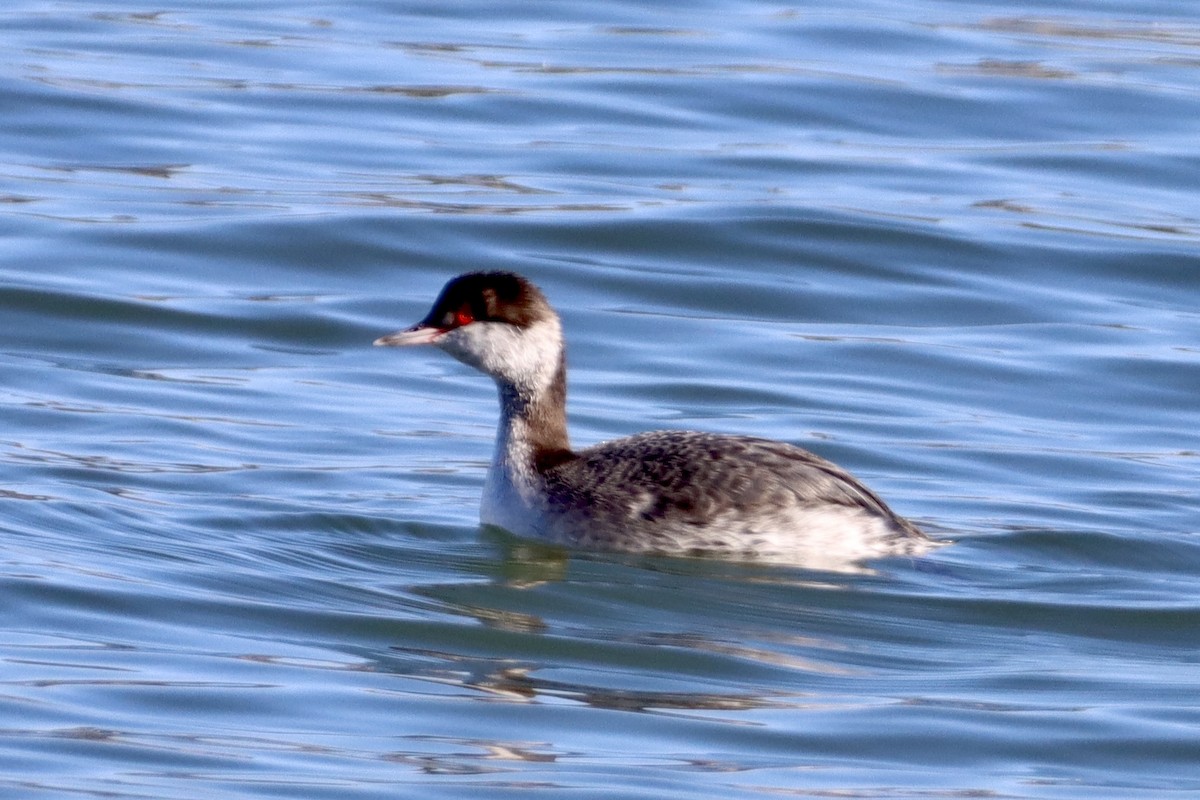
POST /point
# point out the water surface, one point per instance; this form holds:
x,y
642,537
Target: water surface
x,y
954,247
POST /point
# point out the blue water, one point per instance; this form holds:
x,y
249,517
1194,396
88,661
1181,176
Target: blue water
x,y
953,246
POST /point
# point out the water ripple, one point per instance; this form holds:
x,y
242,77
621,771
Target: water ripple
x,y
952,247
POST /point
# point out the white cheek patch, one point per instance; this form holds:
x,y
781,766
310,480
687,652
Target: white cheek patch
x,y
526,358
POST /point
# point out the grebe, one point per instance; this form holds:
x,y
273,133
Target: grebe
x,y
667,492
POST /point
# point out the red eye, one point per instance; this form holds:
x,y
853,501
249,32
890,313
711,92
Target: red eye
x,y
463,317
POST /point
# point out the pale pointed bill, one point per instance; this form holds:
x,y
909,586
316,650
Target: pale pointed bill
x,y
417,334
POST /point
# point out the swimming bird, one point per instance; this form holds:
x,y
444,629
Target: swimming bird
x,y
665,492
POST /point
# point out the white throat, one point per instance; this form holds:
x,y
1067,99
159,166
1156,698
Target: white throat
x,y
524,362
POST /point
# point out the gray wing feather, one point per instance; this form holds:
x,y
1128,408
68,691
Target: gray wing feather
x,y
686,477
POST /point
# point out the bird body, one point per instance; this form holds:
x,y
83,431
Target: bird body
x,y
667,492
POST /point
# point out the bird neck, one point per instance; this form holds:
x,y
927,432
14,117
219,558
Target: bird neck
x,y
533,423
